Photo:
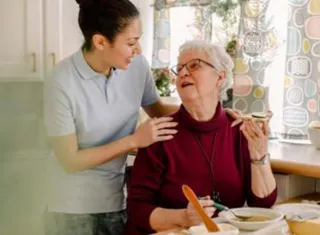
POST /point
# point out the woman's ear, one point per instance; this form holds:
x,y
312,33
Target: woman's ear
x,y
100,42
221,78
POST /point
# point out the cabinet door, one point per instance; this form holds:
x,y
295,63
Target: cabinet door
x,y
21,40
63,35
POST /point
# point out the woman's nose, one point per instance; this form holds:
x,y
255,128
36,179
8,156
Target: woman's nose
x,y
183,72
137,50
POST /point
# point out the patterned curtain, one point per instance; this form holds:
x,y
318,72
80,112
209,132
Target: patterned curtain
x,y
258,45
302,75
200,28
263,35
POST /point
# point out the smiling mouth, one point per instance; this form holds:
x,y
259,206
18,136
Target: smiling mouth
x,y
186,84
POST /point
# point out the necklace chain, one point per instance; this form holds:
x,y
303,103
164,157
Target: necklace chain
x,y
215,194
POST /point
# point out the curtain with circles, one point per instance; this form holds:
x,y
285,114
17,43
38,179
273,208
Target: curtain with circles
x,y
277,62
200,27
302,75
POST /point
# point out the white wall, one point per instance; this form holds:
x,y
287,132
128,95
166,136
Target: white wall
x,y
146,13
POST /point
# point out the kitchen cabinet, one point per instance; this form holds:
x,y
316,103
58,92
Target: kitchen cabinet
x,y
62,33
21,30
35,35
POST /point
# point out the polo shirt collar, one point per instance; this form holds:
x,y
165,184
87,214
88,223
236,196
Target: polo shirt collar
x,y
82,66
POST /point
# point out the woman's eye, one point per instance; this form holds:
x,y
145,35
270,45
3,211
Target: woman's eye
x,y
193,65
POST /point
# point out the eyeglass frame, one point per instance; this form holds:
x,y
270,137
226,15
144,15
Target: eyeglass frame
x,y
176,73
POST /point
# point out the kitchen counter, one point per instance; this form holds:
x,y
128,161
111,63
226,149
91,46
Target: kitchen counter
x,y
297,159
286,158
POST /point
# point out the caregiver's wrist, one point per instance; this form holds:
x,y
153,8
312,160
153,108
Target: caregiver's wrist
x,y
133,141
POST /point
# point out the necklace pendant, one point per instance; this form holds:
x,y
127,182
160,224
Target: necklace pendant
x,y
216,197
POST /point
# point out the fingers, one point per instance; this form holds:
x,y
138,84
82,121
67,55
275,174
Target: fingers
x,y
206,203
156,121
236,122
236,114
166,124
210,211
246,134
164,138
266,128
166,132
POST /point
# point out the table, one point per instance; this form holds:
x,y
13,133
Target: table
x,y
297,159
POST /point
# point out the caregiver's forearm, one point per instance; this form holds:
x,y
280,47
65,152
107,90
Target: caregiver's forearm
x,y
262,180
164,219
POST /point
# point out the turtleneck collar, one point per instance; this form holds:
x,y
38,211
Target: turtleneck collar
x,y
189,122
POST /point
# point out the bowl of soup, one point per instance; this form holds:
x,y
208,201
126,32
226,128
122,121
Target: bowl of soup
x,y
257,218
225,229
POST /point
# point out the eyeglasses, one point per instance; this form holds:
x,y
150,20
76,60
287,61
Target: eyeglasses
x,y
191,66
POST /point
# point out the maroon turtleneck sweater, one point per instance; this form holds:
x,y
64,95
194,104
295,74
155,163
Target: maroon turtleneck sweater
x,y
208,156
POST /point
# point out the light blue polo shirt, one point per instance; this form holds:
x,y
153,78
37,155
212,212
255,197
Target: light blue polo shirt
x,y
98,110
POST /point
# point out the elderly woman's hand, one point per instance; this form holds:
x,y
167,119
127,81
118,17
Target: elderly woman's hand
x,y
192,217
256,132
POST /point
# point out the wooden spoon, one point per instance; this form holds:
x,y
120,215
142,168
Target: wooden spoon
x,y
192,198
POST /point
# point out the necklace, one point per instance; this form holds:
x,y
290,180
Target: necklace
x,y
215,194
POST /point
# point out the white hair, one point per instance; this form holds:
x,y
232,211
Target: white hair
x,y
218,57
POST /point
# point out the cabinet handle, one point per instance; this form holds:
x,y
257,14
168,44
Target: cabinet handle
x,y
34,61
53,59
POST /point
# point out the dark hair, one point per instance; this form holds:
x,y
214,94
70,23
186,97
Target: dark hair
x,y
106,17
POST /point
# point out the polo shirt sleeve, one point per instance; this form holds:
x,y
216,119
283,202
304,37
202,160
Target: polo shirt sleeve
x,y
150,93
58,116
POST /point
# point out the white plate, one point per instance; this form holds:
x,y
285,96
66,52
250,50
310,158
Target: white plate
x,y
201,230
274,216
290,208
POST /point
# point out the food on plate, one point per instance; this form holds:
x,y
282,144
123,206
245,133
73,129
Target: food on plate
x,y
253,219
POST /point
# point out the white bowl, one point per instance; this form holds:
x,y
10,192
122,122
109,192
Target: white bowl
x,y
273,216
314,133
225,229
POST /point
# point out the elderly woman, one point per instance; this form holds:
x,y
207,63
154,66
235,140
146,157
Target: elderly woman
x,y
221,163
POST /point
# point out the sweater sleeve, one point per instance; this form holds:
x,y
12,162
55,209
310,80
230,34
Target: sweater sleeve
x,y
252,199
145,181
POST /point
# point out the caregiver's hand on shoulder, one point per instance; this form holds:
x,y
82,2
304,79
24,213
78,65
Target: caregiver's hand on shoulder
x,y
192,217
154,130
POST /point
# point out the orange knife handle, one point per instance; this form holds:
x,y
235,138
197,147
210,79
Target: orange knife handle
x,y
192,198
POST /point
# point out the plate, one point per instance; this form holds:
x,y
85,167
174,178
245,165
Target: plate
x,y
227,229
273,216
290,208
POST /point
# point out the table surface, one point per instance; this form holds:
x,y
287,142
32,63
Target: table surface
x,y
298,159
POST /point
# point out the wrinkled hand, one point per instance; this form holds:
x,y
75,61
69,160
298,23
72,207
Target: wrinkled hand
x,y
256,132
192,216
154,130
